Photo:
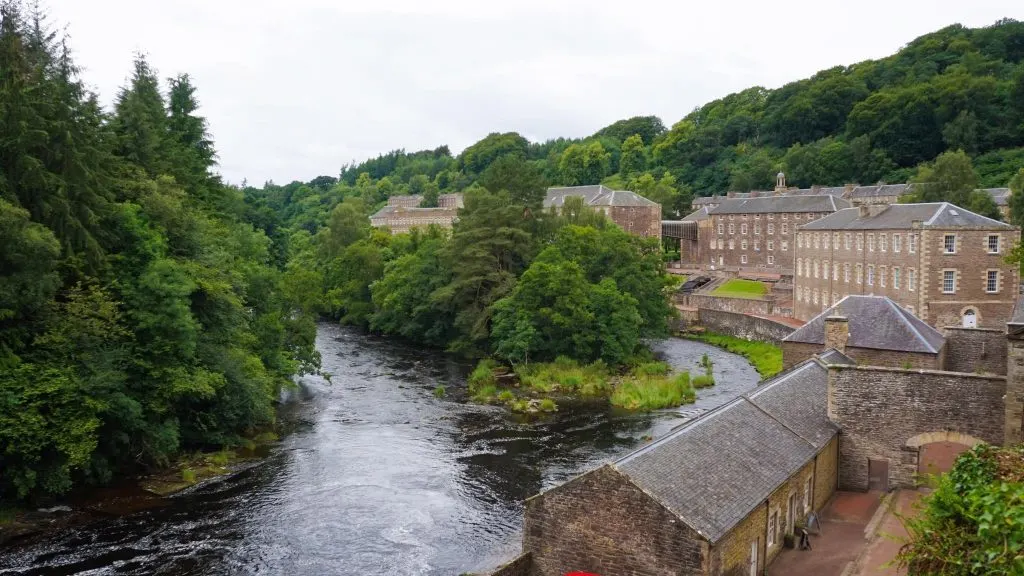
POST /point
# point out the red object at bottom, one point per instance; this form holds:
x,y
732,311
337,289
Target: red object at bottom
x,y
581,574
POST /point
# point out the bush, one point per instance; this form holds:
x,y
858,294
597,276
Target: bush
x,y
485,374
703,381
566,376
766,358
188,475
653,393
506,396
440,391
485,394
548,405
652,369
973,523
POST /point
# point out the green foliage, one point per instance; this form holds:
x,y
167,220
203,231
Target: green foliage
x,y
440,391
703,381
565,376
547,405
142,312
645,392
766,358
583,164
484,375
973,523
739,288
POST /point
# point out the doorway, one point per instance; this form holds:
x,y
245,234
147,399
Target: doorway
x,y
753,557
970,319
878,475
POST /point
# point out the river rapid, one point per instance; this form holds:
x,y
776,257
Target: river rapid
x,y
377,476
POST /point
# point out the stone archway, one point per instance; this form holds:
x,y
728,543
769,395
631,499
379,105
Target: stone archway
x,y
938,451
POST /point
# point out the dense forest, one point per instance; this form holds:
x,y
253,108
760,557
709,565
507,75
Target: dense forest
x,y
141,312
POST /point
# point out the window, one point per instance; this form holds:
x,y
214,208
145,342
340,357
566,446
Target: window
x,y
743,244
949,244
743,228
799,267
860,242
911,243
897,242
757,216
796,216
785,245
817,240
771,259
731,216
771,245
824,269
799,240
824,240
992,282
771,216
713,243
732,228
871,274
846,273
721,229
816,269
911,279
808,493
881,276
799,295
785,228
896,278
948,281
815,295
771,229
757,245
882,243
835,298
720,245
785,216
835,240
835,272
846,240
993,244
860,274
757,228
807,294
732,244
871,242
743,259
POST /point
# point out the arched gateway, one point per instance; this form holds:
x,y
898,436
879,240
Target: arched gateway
x,y
937,451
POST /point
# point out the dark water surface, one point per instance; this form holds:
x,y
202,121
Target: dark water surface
x,y
377,477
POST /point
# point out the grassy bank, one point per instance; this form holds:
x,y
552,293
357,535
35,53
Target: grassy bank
x,y
648,385
766,358
737,288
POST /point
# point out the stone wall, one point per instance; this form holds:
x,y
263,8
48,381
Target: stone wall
x,y
521,566
826,473
739,305
744,326
975,350
880,410
637,220
1014,408
778,502
732,553
599,522
796,352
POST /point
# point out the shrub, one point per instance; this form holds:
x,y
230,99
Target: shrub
x,y
766,358
188,475
440,391
485,394
520,405
653,393
548,405
483,375
506,396
652,369
703,381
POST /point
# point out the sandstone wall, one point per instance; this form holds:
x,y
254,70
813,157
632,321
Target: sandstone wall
x,y
880,410
744,326
725,304
601,523
975,350
521,566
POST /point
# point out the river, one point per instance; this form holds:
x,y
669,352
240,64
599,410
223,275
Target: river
x,y
377,476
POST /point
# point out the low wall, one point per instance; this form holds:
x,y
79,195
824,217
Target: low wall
x,y
882,410
975,350
758,307
521,566
744,326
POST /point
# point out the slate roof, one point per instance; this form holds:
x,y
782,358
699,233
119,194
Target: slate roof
x,y
697,215
901,216
713,471
1001,196
386,210
597,195
833,356
874,322
879,190
778,204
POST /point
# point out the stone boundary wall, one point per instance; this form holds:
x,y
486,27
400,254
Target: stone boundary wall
x,y
744,326
755,306
975,350
881,410
521,566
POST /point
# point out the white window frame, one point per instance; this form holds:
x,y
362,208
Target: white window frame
x,y
871,275
951,274
883,241
988,281
947,241
743,258
896,278
912,279
721,229
988,243
771,259
809,489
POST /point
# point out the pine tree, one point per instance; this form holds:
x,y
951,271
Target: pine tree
x,y
140,121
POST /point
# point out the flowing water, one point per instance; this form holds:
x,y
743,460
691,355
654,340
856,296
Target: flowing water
x,y
377,476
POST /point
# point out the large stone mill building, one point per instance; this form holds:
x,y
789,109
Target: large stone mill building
x,y
631,211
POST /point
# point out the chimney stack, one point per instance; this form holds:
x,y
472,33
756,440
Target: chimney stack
x,y
837,331
864,211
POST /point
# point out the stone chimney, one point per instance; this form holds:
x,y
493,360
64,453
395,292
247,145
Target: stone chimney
x,y
864,211
837,331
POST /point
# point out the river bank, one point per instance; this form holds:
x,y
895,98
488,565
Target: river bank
x,y
377,475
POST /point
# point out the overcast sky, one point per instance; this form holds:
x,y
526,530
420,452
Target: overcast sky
x,y
295,89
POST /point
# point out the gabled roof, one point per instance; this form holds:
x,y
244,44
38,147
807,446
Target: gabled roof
x,y
697,215
779,204
874,322
833,356
902,216
597,195
713,471
1001,196
879,190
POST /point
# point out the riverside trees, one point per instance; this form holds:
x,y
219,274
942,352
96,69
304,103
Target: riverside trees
x,y
141,312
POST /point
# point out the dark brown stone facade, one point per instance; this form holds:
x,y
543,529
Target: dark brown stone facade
x,y
755,242
796,352
637,220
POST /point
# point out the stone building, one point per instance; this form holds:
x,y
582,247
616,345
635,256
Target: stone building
x,y
1001,196
689,231
715,496
943,263
879,194
758,234
872,330
631,211
403,213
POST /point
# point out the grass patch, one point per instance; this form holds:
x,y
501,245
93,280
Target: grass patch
x,y
642,392
702,381
440,391
766,358
567,376
485,374
548,405
738,288
485,394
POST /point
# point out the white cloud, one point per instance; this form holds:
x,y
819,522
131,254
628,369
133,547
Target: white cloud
x,y
293,90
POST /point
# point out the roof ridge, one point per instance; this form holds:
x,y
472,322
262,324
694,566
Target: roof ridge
x,y
900,312
688,425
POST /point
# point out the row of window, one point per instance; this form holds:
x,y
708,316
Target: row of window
x,y
814,297
757,229
770,244
775,530
812,268
821,240
798,216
